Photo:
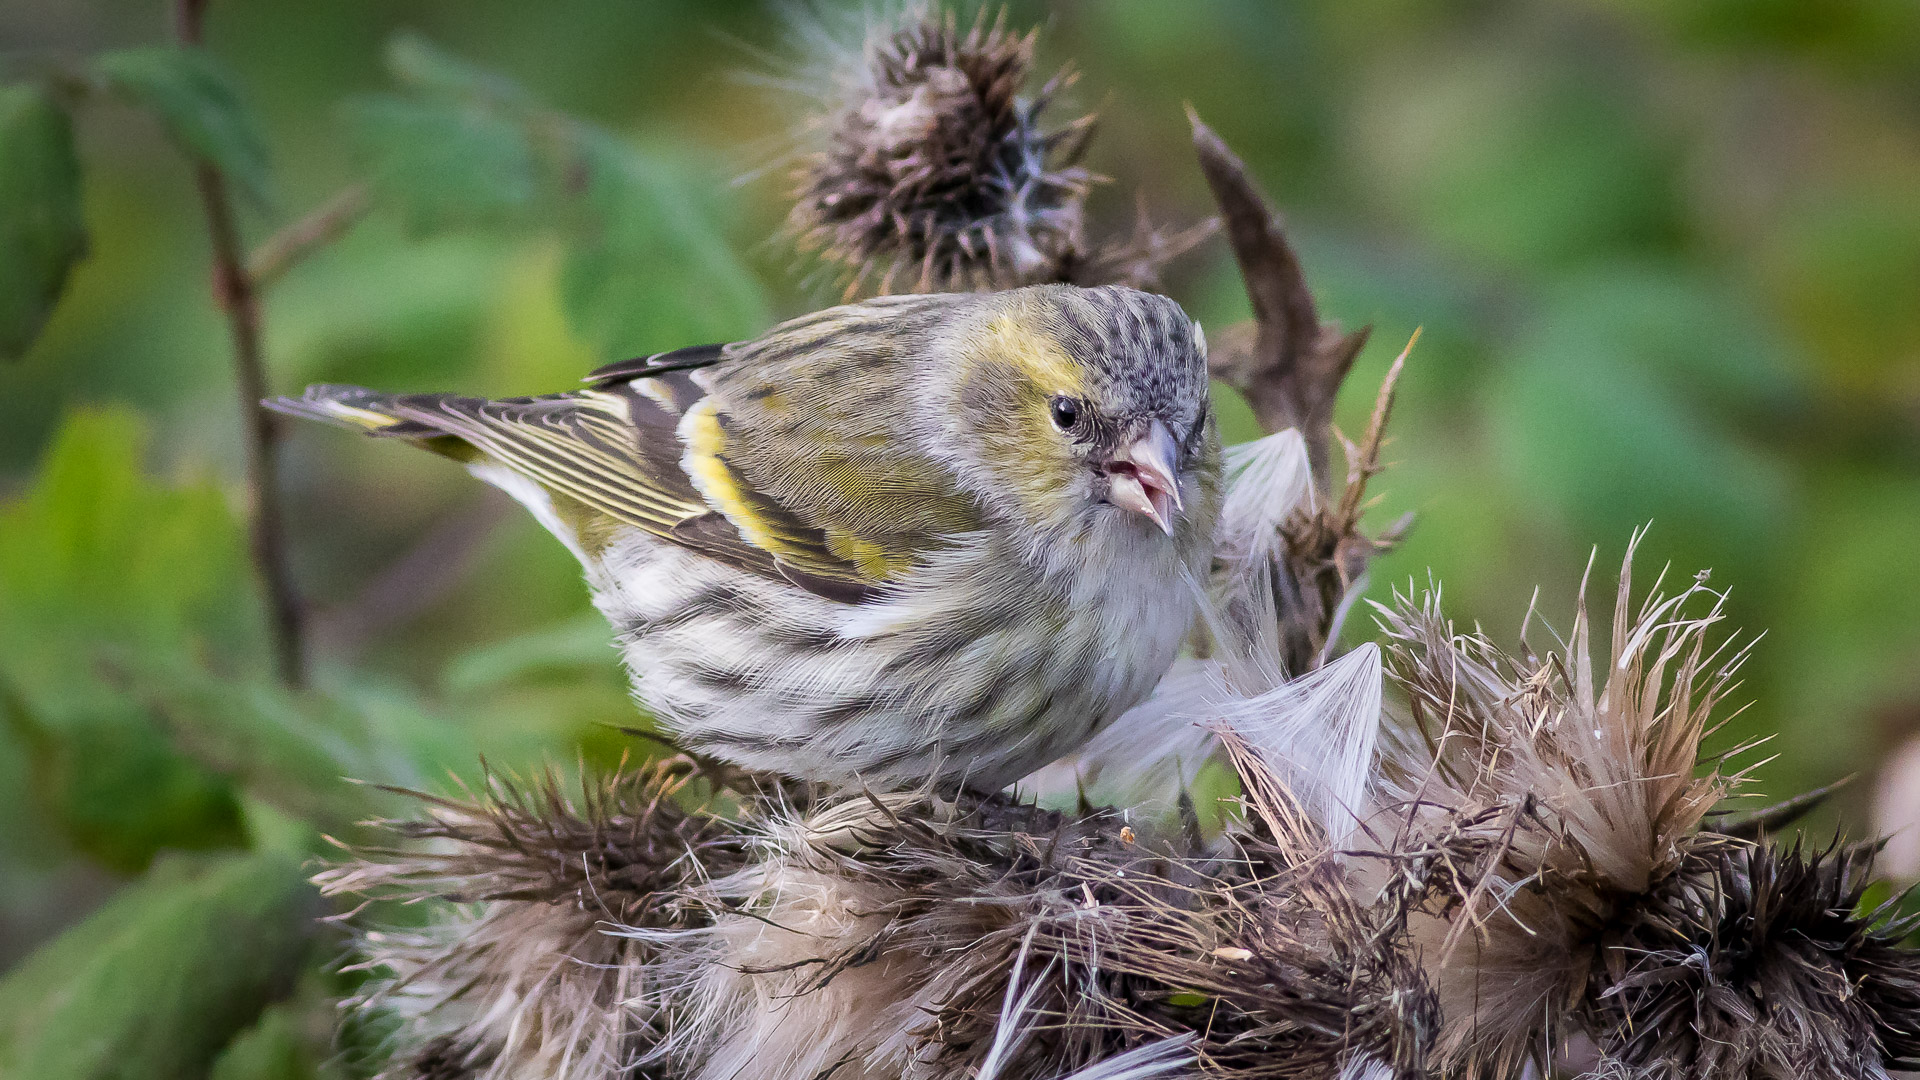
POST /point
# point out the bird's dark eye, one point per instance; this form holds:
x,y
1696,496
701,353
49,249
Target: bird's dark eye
x,y
1066,412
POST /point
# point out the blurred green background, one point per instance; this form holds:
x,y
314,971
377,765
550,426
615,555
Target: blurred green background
x,y
1666,254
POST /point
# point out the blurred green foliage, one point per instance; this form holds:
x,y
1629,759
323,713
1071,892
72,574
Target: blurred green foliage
x,y
42,236
154,984
1666,252
192,94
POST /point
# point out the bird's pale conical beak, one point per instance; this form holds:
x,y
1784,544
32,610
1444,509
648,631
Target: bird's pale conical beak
x,y
1141,478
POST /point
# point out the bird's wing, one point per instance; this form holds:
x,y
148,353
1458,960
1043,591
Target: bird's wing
x,y
640,367
826,416
606,458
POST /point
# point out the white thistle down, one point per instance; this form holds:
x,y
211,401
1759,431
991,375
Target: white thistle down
x,y
1162,1057
1365,1067
1151,753
1146,757
1317,735
1267,480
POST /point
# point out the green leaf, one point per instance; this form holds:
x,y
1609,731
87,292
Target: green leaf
x,y
116,789
41,234
442,164
1844,639
648,267
269,1050
295,752
97,554
582,643
1604,441
201,105
419,306
1695,336
422,65
105,574
1525,162
133,692
157,982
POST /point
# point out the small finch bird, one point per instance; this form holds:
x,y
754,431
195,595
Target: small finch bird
x,y
921,538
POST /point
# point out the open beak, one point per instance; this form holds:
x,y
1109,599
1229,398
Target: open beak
x,y
1140,477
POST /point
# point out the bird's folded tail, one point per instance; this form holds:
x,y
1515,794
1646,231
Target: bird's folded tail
x,y
483,435
375,413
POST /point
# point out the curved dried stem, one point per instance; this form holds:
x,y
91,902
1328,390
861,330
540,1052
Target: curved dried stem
x,y
1290,366
321,226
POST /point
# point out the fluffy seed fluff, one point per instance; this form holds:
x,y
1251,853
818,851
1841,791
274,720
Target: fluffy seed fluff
x,y
1523,879
1576,795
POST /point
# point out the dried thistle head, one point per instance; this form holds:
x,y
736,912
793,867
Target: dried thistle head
x,y
1569,799
1276,966
901,934
934,172
1759,962
516,975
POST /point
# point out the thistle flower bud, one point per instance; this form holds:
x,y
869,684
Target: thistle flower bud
x,y
934,172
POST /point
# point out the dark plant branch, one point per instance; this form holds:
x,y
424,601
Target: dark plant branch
x,y
1758,824
189,16
1289,364
238,296
321,226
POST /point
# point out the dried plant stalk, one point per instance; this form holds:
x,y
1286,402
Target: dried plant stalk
x,y
1289,364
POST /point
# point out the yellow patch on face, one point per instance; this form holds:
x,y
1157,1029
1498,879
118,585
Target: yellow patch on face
x,y
1039,357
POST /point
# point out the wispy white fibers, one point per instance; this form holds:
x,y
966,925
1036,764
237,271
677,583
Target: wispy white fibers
x,y
1365,1067
1317,733
1267,480
1148,755
1162,1057
1016,1011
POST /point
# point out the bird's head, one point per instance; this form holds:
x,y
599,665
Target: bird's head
x,y
1072,406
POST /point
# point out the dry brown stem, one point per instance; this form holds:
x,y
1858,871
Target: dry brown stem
x,y
1290,364
237,293
321,226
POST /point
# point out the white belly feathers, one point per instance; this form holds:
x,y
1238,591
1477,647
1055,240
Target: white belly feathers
x,y
979,668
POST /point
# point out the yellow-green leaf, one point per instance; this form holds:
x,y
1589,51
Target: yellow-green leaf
x,y
444,164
